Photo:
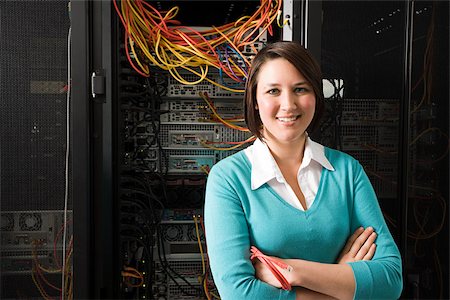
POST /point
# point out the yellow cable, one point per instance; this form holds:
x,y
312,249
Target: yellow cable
x,y
147,34
202,76
232,44
204,169
207,100
145,69
199,244
38,285
426,131
202,255
227,148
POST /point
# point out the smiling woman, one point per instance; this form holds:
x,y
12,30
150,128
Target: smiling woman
x,y
285,102
305,206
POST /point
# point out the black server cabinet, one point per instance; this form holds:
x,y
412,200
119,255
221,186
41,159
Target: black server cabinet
x,y
35,170
393,117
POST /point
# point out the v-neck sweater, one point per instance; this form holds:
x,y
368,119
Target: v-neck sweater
x,y
237,217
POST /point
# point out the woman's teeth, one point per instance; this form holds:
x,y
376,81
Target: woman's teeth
x,y
288,119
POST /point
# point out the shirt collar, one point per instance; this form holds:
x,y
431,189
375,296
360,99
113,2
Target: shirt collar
x,y
316,152
264,167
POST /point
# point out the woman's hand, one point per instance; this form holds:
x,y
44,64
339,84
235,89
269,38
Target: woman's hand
x,y
360,246
263,273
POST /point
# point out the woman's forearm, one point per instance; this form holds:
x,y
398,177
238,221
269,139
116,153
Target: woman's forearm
x,y
335,280
305,294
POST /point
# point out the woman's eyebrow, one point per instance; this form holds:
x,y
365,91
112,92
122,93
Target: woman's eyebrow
x,y
278,84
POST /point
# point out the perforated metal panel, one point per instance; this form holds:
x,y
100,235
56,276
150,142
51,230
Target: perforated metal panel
x,y
33,75
33,72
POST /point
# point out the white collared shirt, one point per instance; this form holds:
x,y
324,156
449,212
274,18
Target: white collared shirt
x,y
266,170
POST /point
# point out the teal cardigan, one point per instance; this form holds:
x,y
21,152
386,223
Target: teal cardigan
x,y
237,217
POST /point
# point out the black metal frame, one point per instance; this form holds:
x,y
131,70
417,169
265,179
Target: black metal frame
x,y
82,211
404,131
95,275
308,25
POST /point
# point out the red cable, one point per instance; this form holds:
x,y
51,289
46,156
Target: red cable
x,y
269,262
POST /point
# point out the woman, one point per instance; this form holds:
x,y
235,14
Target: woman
x,y
295,199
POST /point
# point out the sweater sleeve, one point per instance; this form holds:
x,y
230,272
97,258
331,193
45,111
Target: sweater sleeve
x,y
381,277
228,243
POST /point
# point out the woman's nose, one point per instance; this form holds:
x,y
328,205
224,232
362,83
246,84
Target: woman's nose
x,y
287,102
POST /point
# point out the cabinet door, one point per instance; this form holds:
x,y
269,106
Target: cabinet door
x,y
386,64
35,182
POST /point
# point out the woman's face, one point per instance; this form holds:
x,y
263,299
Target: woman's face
x,y
285,100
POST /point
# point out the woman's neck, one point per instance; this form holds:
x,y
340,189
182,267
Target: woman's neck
x,y
287,153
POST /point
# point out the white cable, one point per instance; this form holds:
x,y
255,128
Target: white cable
x,y
306,24
66,184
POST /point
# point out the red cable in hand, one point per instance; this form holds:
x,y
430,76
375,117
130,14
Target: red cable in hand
x,y
269,262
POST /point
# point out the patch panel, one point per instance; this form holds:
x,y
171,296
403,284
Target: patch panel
x,y
189,139
229,106
235,107
387,138
186,105
190,164
357,117
192,128
214,133
182,117
227,134
176,89
351,142
356,137
389,111
369,112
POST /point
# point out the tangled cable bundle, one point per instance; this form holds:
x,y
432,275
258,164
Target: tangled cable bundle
x,y
156,38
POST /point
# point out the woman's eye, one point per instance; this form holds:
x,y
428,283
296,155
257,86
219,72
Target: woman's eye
x,y
273,91
300,90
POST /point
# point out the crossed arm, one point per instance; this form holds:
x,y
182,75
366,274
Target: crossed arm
x,y
325,281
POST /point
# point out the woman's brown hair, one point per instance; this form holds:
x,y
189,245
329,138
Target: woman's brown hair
x,y
302,60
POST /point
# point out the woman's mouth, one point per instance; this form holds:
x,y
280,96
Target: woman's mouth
x,y
288,119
